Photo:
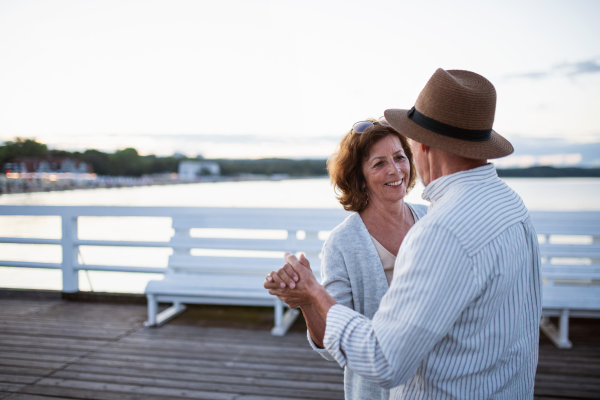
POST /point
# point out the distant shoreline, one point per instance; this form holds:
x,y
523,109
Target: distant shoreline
x,y
19,186
549,172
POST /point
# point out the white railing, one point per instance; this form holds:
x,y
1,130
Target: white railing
x,y
70,241
547,223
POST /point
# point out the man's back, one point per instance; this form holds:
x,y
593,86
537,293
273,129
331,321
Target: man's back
x,y
490,349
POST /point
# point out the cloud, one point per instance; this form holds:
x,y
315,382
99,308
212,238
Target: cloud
x,y
585,67
566,69
529,75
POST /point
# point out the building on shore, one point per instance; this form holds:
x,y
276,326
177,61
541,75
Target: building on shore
x,y
48,164
193,170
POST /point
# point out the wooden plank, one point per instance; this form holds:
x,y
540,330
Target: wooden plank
x,y
21,308
63,333
51,322
102,395
57,340
14,355
11,369
206,375
218,348
165,334
325,368
68,385
209,333
251,359
6,326
13,378
19,396
31,364
206,387
48,345
591,383
34,350
10,387
215,368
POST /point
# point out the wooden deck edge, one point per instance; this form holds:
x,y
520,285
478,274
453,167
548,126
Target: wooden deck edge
x,y
29,294
101,297
90,297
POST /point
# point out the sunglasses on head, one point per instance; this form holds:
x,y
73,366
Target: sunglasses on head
x,y
362,126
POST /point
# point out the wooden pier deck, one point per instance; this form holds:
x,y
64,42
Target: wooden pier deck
x,y
52,348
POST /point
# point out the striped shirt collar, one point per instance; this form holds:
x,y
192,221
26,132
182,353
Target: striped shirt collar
x,y
436,189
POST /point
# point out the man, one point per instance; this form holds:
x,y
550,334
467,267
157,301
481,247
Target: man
x,y
461,316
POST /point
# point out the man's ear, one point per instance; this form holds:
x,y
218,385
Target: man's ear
x,y
423,147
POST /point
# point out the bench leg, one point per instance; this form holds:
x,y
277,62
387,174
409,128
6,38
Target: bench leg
x,y
558,336
152,309
283,322
157,320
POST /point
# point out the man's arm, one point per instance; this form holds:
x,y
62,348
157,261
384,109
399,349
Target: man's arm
x,y
433,284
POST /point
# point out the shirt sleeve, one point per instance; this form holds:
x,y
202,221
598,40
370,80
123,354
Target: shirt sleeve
x,y
335,279
433,284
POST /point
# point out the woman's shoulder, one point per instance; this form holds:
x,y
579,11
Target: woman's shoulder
x,y
348,228
419,209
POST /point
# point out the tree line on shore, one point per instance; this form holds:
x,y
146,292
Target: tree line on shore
x,y
128,162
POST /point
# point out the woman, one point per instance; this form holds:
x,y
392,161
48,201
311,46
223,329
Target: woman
x,y
372,172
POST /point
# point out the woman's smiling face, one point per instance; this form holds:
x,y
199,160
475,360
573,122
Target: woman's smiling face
x,y
386,171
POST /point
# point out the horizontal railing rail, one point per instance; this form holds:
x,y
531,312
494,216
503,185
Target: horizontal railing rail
x,y
238,218
546,222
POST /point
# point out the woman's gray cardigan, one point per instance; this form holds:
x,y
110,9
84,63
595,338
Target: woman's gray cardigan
x,y
352,273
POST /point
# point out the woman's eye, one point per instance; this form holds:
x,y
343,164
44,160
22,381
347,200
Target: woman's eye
x,y
379,164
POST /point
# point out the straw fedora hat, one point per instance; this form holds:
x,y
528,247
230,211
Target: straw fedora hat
x,y
455,113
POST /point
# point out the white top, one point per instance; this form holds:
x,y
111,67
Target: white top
x,y
461,317
388,259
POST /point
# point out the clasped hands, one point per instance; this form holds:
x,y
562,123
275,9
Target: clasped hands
x,y
296,286
294,283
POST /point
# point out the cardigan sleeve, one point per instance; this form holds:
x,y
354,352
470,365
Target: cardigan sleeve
x,y
335,279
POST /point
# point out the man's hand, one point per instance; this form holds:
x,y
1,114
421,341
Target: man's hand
x,y
292,283
295,285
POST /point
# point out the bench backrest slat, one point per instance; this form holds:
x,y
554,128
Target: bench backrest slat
x,y
311,221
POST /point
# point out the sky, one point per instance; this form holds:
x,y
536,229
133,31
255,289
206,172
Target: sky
x,y
252,79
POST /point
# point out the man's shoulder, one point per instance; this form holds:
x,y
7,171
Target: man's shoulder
x,y
476,214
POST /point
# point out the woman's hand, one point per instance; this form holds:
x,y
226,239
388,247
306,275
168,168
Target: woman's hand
x,y
292,285
295,285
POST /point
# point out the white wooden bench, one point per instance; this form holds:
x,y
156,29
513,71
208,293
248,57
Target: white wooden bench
x,y
569,288
231,278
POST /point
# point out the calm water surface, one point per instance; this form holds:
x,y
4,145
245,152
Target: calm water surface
x,y
538,194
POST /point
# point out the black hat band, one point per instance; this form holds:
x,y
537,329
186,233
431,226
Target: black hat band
x,y
470,135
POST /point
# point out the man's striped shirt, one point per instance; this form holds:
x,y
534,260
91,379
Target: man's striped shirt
x,y
461,317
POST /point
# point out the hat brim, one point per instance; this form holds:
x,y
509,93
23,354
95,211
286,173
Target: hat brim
x,y
496,147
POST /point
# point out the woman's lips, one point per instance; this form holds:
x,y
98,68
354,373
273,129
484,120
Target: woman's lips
x,y
395,184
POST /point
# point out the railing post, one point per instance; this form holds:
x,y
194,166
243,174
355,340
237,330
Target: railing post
x,y
596,240
70,275
180,234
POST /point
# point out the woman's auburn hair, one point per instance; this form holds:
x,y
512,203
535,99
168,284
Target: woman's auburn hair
x,y
345,165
